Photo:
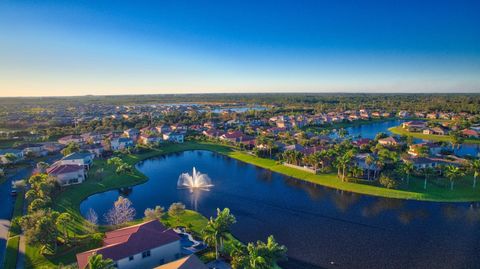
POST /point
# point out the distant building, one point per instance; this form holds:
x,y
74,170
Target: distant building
x,y
85,159
121,143
71,139
144,245
389,141
18,153
174,137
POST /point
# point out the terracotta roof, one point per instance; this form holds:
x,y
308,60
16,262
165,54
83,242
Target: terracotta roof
x,y
129,241
188,262
63,168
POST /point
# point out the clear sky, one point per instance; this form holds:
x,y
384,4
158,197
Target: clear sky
x,y
57,47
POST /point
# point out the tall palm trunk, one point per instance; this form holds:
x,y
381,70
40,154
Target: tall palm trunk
x,y
425,184
474,181
451,185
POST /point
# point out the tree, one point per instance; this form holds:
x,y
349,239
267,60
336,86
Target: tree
x,y
387,182
475,168
92,219
452,173
369,161
40,227
218,228
408,169
96,261
10,157
62,221
155,213
70,148
427,173
259,255
121,212
176,209
124,168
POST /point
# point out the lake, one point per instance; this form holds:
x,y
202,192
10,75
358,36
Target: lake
x,y
318,225
370,130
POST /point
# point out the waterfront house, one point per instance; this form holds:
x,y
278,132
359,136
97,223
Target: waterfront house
x,y
470,133
67,174
213,133
414,126
436,131
163,128
149,139
84,159
389,141
144,245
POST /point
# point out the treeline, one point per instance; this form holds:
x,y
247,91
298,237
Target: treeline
x,y
451,102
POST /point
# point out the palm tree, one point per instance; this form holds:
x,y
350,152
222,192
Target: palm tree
x,y
62,221
427,173
408,170
369,160
357,171
453,172
218,228
96,261
475,168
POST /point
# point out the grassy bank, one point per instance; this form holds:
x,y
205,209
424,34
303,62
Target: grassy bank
x,y
445,138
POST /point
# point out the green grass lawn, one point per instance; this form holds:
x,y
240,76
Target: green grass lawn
x,y
445,138
11,253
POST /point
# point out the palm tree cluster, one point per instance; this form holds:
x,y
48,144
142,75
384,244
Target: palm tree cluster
x,y
259,255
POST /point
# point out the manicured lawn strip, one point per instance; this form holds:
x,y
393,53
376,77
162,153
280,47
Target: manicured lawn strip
x,y
445,138
11,253
17,213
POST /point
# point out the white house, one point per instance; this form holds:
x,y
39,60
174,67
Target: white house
x,y
67,174
79,158
174,137
121,143
144,245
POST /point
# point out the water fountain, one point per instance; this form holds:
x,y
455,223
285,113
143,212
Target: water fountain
x,y
195,181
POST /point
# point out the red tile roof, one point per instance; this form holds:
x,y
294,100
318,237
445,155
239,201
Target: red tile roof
x,y
63,168
129,241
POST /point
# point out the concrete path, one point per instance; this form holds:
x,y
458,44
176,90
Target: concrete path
x,y
4,227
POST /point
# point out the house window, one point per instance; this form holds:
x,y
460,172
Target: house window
x,y
130,258
146,254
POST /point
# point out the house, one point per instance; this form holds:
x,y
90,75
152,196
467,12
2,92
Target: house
x,y
470,133
132,133
360,161
144,245
436,131
16,152
423,162
174,137
188,262
389,141
164,128
95,149
53,147
212,133
431,148
67,174
84,159
33,149
92,137
361,142
71,139
121,143
414,126
403,114
148,139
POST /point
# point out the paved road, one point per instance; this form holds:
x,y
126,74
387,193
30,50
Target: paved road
x,y
6,205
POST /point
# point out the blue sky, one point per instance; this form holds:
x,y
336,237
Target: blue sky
x,y
132,47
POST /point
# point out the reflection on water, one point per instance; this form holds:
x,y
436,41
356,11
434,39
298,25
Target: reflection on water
x,y
317,224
